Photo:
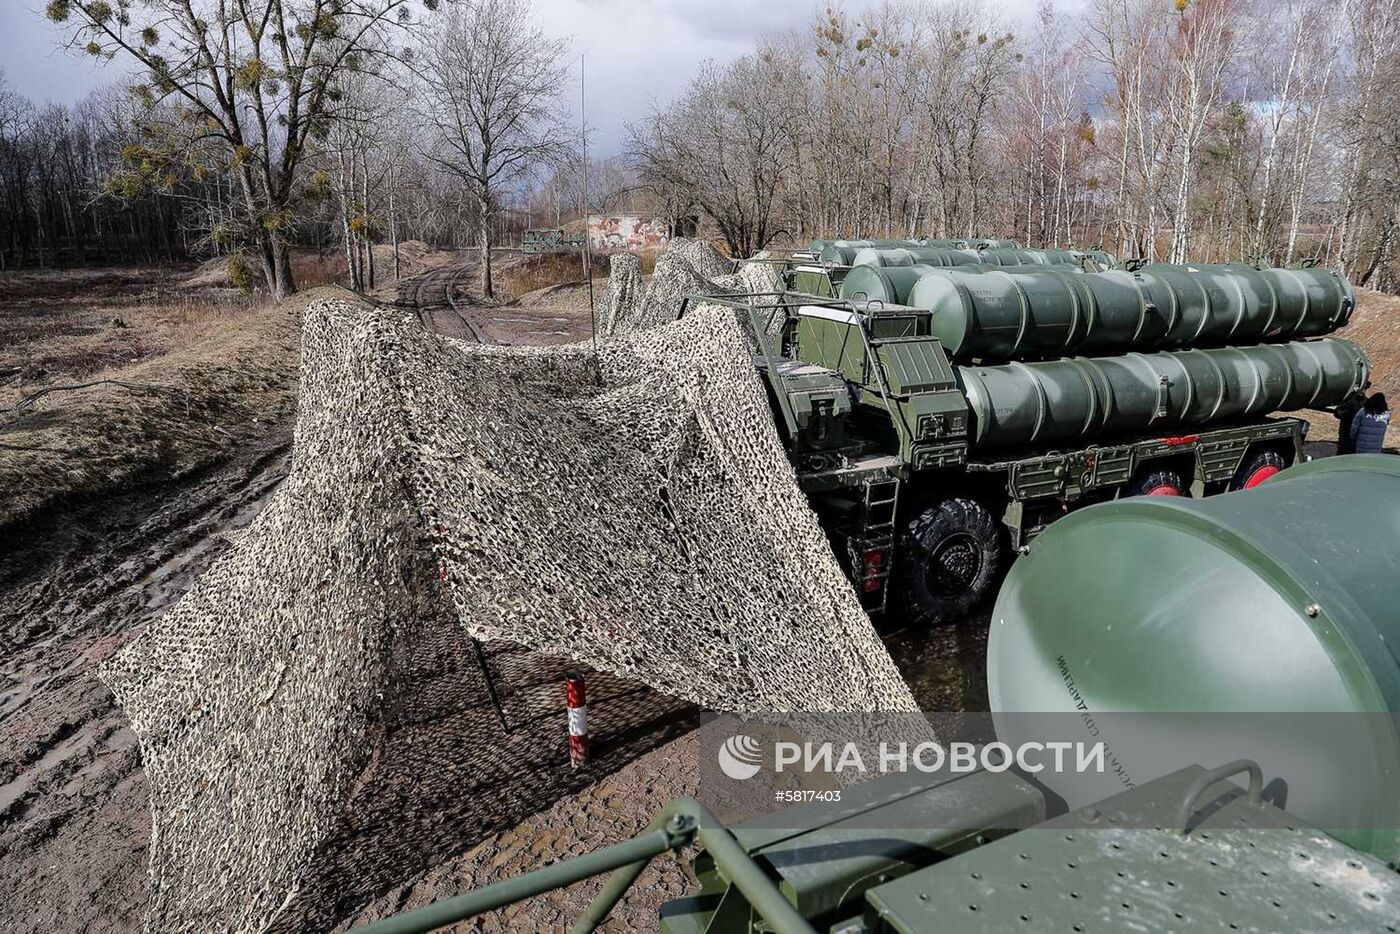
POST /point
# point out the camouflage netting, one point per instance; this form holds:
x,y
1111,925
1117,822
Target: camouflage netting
x,y
685,267
618,304
636,513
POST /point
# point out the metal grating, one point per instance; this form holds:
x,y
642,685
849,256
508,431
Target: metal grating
x,y
1245,868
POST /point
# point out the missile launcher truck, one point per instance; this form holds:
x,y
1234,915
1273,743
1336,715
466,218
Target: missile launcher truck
x,y
939,424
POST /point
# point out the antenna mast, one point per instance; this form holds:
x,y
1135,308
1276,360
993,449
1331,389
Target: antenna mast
x,y
587,246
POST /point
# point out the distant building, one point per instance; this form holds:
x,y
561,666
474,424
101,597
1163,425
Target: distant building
x,y
613,232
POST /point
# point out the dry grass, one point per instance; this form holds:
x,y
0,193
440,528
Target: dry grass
x,y
545,270
1376,327
533,273
83,341
223,377
315,269
312,267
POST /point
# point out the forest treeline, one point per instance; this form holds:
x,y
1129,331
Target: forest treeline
x,y
1194,129
1164,129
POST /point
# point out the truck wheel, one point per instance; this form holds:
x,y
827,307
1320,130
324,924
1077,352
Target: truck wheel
x,y
1258,468
1158,483
952,556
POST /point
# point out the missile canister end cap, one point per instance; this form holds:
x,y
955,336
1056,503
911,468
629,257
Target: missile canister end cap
x,y
869,283
838,255
951,323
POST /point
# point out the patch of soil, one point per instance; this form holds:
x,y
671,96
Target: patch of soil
x,y
615,808
1375,325
76,586
156,420
73,322
116,499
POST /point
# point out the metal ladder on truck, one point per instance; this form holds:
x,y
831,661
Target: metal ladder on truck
x,y
872,545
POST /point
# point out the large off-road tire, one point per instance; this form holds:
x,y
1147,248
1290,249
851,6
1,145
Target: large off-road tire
x,y
952,556
1258,467
1158,482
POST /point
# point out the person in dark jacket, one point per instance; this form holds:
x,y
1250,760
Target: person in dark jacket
x,y
1369,425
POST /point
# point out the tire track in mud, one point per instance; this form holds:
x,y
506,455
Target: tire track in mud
x,y
435,296
76,586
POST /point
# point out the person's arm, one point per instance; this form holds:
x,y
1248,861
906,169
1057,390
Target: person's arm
x,y
1356,425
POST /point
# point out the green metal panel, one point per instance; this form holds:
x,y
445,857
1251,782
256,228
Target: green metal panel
x,y
1028,404
894,321
1074,473
915,365
812,280
827,338
1243,867
820,401
1281,598
825,856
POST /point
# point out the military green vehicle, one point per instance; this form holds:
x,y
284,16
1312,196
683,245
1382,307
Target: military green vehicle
x,y
937,438
557,240
822,269
974,852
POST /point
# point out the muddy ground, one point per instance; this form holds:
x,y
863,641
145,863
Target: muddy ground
x,y
83,578
76,586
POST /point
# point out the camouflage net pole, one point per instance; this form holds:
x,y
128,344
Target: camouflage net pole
x,y
650,527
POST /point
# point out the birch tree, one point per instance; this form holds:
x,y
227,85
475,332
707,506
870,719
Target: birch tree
x,y
1369,125
1205,46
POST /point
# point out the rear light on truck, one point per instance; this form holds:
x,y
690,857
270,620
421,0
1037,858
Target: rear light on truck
x,y
874,562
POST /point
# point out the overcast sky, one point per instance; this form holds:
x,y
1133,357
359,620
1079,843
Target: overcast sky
x,y
637,51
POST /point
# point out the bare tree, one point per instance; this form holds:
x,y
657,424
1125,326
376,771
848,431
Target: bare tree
x,y
1205,44
725,145
965,64
612,186
256,81
1369,127
1218,130
492,89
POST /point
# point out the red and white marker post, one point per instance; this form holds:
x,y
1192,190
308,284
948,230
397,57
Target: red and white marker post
x,y
577,696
